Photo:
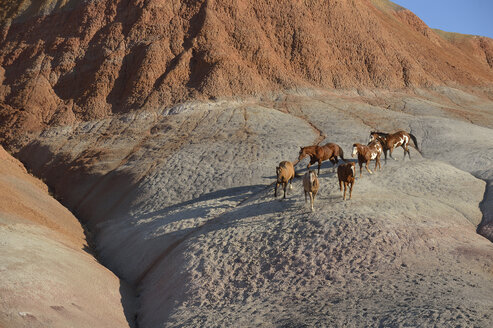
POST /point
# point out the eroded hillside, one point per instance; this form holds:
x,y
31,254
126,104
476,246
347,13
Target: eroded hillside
x,y
159,125
117,56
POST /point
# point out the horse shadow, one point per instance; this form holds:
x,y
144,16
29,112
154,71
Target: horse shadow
x,y
232,205
199,207
254,211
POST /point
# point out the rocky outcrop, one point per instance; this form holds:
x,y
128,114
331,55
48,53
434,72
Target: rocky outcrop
x,y
114,56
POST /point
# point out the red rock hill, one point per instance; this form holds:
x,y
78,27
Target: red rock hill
x,y
62,61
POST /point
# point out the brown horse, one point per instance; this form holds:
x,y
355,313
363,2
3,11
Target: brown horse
x,y
329,151
367,153
390,141
285,174
346,175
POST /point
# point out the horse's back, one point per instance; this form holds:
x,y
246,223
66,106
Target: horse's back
x,y
345,170
332,149
376,146
310,182
288,167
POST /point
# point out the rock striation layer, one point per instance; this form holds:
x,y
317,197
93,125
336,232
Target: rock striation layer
x,y
115,56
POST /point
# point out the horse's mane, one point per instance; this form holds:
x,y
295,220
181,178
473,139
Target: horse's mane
x,y
375,141
381,134
309,148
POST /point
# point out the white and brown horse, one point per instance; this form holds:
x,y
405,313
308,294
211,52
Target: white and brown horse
x,y
391,141
285,174
329,151
367,153
310,185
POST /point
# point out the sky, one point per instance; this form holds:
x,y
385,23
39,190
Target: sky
x,y
461,16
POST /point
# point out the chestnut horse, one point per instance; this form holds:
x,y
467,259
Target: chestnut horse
x,y
390,141
285,174
367,153
346,173
318,154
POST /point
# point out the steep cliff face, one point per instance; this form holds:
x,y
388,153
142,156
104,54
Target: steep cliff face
x,y
62,61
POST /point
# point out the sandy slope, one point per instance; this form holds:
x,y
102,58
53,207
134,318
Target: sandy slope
x,y
181,205
271,262
47,278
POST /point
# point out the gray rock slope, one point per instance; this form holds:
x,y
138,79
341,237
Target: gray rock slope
x,y
180,203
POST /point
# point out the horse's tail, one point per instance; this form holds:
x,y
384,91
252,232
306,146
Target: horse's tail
x,y
341,154
415,142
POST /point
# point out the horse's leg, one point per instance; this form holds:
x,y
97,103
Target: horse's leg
x,y
319,164
334,161
275,189
405,150
351,189
305,196
385,153
344,195
290,185
366,166
360,167
312,198
340,185
390,153
284,185
313,160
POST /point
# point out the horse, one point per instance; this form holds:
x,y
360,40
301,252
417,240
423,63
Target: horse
x,y
310,185
329,151
367,153
346,174
285,173
390,141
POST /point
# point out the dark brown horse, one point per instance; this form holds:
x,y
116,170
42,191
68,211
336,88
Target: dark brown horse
x,y
391,141
346,174
329,151
367,153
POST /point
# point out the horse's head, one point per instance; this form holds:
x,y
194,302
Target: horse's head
x,y
373,136
355,150
302,153
313,176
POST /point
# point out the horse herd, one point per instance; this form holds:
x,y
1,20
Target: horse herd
x,y
380,142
